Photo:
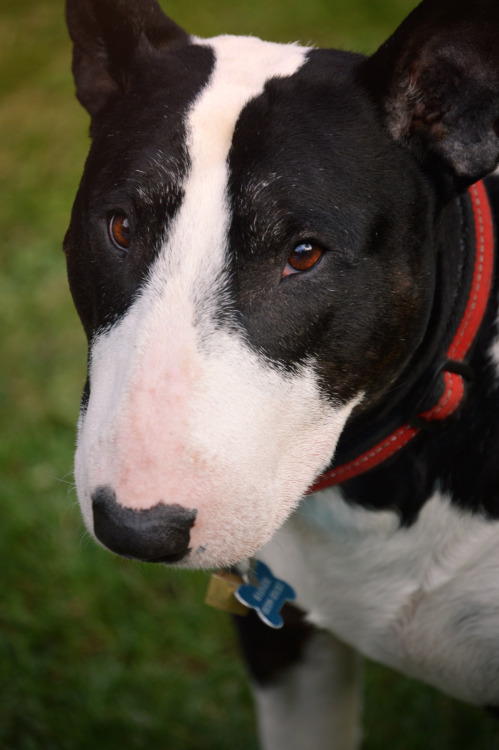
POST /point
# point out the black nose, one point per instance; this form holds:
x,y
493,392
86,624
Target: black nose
x,y
158,534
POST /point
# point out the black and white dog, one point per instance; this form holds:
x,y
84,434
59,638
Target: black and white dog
x,y
285,271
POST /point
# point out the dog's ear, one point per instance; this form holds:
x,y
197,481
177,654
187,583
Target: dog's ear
x,y
107,37
436,81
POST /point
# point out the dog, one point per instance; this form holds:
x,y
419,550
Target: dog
x,y
283,259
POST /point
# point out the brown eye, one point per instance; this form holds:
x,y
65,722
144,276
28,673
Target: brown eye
x,y
303,258
119,231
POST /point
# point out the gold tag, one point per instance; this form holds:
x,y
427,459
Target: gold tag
x,y
221,590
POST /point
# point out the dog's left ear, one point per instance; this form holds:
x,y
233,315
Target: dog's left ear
x,y
436,81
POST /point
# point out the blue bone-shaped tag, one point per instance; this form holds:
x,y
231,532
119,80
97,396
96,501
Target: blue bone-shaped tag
x,y
267,597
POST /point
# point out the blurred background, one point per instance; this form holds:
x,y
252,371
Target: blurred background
x,y
96,651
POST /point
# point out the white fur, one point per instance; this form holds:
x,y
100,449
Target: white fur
x,y
422,599
184,412
316,703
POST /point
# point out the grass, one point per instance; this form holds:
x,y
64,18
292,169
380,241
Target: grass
x,y
96,651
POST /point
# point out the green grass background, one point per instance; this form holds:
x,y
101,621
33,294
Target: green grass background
x,y
98,652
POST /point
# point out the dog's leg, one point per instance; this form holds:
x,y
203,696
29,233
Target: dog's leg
x,y
306,685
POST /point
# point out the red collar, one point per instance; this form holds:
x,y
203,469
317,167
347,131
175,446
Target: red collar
x,y
455,366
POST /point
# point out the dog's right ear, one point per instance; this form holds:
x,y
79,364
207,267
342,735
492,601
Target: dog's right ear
x,y
107,37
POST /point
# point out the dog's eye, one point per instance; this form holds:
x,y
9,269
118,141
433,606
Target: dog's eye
x,y
304,257
119,231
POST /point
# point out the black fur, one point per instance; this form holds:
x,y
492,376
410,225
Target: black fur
x,y
270,652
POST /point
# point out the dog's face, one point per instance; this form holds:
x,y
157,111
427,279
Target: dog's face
x,y
251,256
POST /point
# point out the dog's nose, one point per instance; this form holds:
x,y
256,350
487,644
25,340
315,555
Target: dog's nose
x,y
158,534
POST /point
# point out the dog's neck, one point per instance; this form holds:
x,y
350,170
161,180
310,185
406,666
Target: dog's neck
x,y
421,384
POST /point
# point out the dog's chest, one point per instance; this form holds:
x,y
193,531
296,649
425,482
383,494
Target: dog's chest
x,y
424,598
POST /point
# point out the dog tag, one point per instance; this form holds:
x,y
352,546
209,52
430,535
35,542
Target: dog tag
x,y
267,597
221,590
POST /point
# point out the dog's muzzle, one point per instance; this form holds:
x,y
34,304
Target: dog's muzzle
x,y
158,534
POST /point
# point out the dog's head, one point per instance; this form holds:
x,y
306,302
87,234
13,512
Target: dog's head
x,y
251,253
